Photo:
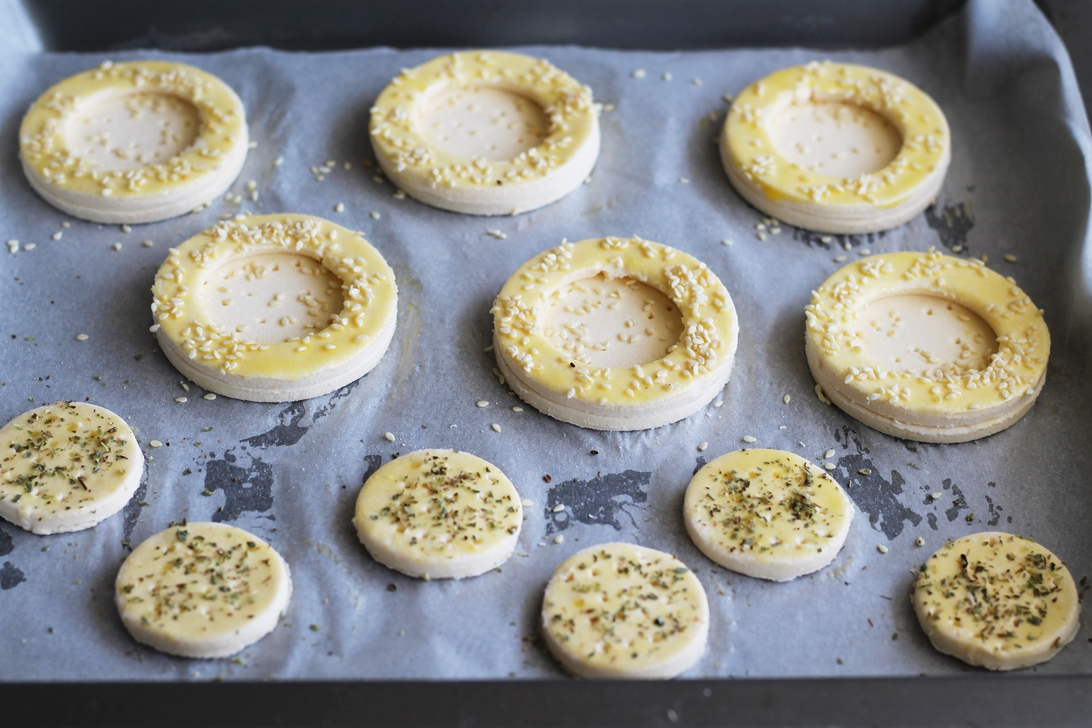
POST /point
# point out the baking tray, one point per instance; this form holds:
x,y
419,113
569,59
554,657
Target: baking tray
x,y
975,699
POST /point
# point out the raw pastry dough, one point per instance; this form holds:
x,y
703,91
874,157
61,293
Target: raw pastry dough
x,y
439,514
625,611
486,132
649,337
134,142
926,346
836,147
241,270
66,466
997,601
767,513
202,590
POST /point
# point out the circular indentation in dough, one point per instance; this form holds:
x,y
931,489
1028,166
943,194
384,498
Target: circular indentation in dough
x,y
439,514
767,513
996,601
486,132
66,467
134,142
836,147
202,590
562,380
251,271
929,395
483,123
624,611
612,322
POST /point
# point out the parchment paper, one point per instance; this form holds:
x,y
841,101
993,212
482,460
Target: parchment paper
x,y
1018,184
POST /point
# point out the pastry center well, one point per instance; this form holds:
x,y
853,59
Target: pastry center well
x,y
273,297
612,322
921,334
834,139
132,130
482,122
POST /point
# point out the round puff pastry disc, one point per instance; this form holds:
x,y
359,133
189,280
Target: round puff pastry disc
x,y
202,590
486,132
926,346
997,601
439,514
767,513
66,466
274,308
836,148
615,333
134,142
626,612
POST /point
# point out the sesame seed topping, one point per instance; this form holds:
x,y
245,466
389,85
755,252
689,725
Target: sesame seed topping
x,y
82,337
389,436
116,246
181,400
829,466
684,180
517,409
527,503
57,235
339,207
126,229
558,508
497,234
210,396
882,549
153,328
278,161
666,76
726,241
829,453
483,403
374,214
696,81
719,403
639,73
1010,258
155,443
936,495
749,438
919,541
559,538
702,446
495,427
147,243
786,399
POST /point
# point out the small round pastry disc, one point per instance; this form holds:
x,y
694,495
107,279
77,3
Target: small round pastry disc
x,y
439,514
615,333
836,148
626,612
767,513
997,601
274,308
202,590
66,466
926,346
486,132
134,142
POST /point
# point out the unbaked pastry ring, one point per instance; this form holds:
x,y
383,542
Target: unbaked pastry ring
x,y
536,177
225,361
72,182
947,403
566,386
866,203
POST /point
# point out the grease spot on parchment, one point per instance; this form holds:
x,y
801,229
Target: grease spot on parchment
x,y
875,495
11,576
7,544
959,503
952,223
601,500
700,465
828,241
131,512
373,461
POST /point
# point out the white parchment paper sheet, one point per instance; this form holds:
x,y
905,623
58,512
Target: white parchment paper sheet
x,y
1018,185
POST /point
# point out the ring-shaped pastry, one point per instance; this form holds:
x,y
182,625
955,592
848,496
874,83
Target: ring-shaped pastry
x,y
439,514
344,347
497,183
769,514
66,467
997,601
552,369
863,202
941,400
71,160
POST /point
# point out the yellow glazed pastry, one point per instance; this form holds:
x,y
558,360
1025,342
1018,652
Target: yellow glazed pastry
x,y
439,514
836,148
274,308
996,601
767,513
926,346
625,612
486,132
66,466
134,142
615,333
202,590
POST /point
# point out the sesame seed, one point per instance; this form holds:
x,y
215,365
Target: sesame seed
x,y
57,235
495,427
147,243
719,403
558,508
666,76
210,396
126,229
517,409
1010,258
116,246
82,337
726,241
701,447
829,466
864,251
527,503
155,443
278,161
185,386
153,328
497,234
839,259
919,541
749,438
559,538
252,145
829,453
374,214
684,180
13,246
786,399
181,400
882,549
761,236
339,207
483,402
936,496
66,224
639,73
399,195
696,81
389,436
